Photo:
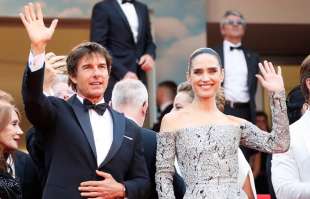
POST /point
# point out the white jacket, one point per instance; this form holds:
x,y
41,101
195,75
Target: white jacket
x,y
290,171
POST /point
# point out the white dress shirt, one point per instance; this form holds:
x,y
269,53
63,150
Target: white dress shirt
x,y
102,125
132,17
290,171
236,74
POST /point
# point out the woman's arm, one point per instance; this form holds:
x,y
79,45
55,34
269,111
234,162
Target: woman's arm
x,y
165,157
279,139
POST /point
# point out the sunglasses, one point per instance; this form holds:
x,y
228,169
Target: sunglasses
x,y
234,22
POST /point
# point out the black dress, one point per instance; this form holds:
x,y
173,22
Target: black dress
x,y
9,187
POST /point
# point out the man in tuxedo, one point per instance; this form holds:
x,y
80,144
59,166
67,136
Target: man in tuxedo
x,y
240,67
131,98
165,94
123,27
90,150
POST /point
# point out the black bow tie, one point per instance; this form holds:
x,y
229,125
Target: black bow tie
x,y
99,108
127,1
236,48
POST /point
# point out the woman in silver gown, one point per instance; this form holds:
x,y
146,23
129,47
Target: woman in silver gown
x,y
206,141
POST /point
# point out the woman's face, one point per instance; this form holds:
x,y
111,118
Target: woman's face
x,y
205,75
11,134
181,100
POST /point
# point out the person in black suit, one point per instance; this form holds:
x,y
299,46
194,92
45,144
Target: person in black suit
x,y
131,98
91,150
28,176
165,94
123,27
240,67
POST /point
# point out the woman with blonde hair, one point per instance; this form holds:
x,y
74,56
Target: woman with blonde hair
x,y
205,140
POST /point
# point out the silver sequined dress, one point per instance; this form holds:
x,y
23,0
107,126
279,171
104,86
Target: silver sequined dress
x,y
208,154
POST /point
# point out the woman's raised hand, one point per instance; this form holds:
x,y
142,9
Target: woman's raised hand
x,y
269,78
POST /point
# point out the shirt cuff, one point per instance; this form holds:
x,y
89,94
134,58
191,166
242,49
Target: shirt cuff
x,y
36,62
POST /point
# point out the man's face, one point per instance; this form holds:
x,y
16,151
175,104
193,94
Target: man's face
x,y
233,28
91,77
160,95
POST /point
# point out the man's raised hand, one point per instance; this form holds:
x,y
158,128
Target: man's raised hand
x,y
39,34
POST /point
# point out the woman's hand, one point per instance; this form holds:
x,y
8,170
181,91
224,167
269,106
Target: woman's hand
x,y
269,78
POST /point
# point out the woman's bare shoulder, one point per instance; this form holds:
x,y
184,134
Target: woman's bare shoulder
x,y
235,120
172,121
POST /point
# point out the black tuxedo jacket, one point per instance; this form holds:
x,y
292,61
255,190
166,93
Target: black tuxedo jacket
x,y
27,174
70,153
150,147
110,28
252,60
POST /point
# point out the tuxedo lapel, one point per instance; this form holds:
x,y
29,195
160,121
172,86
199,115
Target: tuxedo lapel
x,y
123,16
118,135
83,118
140,19
249,60
221,54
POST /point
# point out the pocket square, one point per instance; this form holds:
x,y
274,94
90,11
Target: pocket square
x,y
129,138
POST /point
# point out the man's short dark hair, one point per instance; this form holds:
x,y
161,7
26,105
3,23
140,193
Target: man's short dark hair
x,y
171,86
261,114
85,48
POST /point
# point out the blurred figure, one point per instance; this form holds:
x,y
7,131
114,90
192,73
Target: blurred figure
x,y
184,97
258,159
124,28
131,98
165,94
61,89
6,97
240,66
54,65
295,101
290,171
18,163
261,120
